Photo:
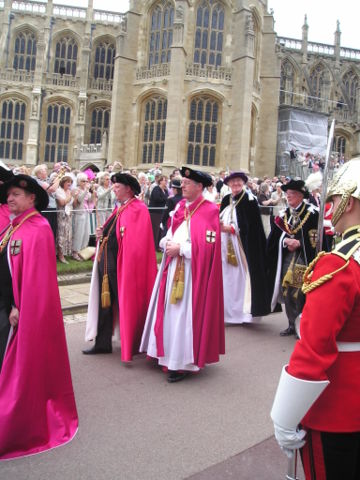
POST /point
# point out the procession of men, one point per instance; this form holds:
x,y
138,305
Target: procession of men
x,y
217,268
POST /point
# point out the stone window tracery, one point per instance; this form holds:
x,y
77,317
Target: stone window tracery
x,y
25,51
339,145
100,123
209,33
12,128
286,83
66,53
351,83
57,136
161,33
153,129
203,131
317,83
104,61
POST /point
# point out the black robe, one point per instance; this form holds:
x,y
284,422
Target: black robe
x,y
306,235
254,243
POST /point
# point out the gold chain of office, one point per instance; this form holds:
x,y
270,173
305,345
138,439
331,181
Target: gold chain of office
x,y
301,224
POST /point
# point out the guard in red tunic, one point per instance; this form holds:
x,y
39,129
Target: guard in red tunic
x,y
317,404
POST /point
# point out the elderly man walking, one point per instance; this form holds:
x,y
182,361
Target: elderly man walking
x,y
184,328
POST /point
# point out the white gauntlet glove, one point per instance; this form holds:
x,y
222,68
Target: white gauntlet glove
x,y
289,440
293,399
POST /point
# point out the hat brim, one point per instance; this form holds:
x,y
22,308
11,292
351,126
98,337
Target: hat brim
x,y
42,198
236,175
128,180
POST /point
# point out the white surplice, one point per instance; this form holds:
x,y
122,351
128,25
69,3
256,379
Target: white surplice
x,y
236,279
178,321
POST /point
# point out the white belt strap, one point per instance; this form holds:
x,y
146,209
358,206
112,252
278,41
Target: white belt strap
x,y
348,346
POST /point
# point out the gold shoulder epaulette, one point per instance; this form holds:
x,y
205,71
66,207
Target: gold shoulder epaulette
x,y
308,285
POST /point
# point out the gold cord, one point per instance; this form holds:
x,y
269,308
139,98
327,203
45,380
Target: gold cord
x,y
11,230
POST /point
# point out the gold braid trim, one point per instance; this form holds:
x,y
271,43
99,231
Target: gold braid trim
x,y
308,285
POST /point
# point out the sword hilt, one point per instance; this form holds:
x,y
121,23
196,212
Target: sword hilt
x,y
292,467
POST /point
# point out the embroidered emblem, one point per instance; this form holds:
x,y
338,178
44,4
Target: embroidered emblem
x,y
312,237
122,231
210,236
23,183
187,173
15,247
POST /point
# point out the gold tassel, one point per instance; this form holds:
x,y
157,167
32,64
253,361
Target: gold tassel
x,y
180,282
105,292
231,257
177,290
289,276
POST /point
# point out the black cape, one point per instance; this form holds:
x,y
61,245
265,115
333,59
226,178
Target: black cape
x,y
254,243
306,236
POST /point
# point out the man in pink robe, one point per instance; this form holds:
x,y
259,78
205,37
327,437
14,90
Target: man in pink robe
x,y
126,253
185,323
37,404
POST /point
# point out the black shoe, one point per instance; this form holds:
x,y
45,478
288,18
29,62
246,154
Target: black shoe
x,y
287,332
176,376
95,350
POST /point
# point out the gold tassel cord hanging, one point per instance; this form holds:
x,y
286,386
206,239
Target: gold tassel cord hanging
x,y
288,277
177,290
230,256
105,290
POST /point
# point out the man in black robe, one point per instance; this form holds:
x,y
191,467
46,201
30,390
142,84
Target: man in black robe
x,y
291,247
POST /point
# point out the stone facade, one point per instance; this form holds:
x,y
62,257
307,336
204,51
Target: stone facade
x,y
173,82
324,79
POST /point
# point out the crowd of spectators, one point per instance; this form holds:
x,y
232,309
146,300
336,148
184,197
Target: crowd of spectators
x,y
79,201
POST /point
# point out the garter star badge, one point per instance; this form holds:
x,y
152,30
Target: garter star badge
x,y
210,236
15,247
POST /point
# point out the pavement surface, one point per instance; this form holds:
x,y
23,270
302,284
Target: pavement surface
x,y
135,426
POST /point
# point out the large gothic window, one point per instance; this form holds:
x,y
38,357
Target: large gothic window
x,y
153,129
339,145
57,137
203,131
286,83
209,33
351,83
161,33
66,52
104,61
25,51
317,84
12,129
100,122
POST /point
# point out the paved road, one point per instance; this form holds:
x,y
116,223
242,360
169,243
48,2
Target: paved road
x,y
136,426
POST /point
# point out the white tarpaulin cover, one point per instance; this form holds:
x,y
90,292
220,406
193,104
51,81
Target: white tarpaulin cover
x,y
301,130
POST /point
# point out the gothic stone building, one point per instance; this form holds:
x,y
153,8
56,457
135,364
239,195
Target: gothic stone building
x,y
173,82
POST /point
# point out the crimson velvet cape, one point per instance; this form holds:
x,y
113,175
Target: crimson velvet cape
x,y
136,272
37,404
207,284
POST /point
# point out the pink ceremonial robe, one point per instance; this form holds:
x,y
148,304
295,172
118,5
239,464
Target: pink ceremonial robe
x,y
207,285
136,273
4,217
137,269
37,404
